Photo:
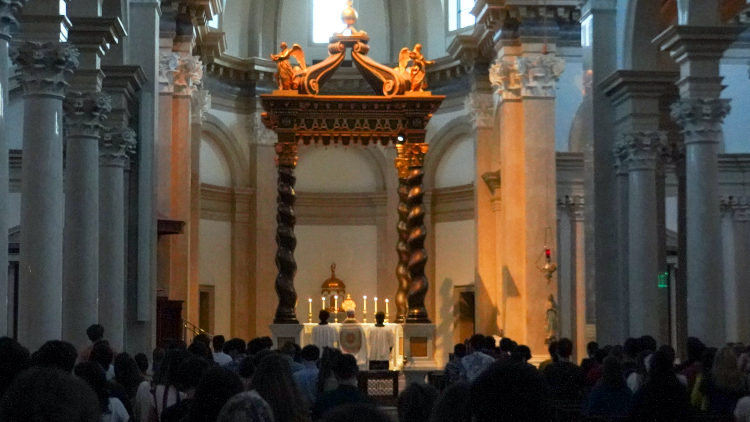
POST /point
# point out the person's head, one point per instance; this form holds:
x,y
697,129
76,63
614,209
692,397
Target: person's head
x,y
216,387
648,343
95,333
355,412
564,348
726,371
94,375
51,395
56,354
552,349
323,316
14,359
641,362
234,347
203,338
345,368
510,391
521,353
415,403
310,353
200,349
591,348
157,356
267,342
694,349
142,361
274,382
506,345
661,364
632,347
167,373
288,349
249,364
218,343
489,344
350,314
102,354
459,350
453,404
600,355
476,342
246,407
612,374
189,373
380,318
127,373
325,365
254,346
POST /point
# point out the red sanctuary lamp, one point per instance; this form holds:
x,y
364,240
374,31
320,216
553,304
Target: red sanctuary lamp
x,y
549,266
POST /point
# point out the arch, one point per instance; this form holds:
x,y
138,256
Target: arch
x,y
643,23
372,157
454,130
214,167
230,148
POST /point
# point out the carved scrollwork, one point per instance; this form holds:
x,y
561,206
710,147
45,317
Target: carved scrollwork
x,y
44,67
381,78
700,118
311,80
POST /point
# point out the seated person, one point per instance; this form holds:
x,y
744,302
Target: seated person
x,y
345,370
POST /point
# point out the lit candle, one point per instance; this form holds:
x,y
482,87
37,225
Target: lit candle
x,y
364,309
309,301
324,303
376,305
336,303
386,307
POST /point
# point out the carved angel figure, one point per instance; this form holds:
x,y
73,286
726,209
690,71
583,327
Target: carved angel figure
x,y
286,73
416,73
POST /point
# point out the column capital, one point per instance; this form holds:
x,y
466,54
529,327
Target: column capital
x,y
9,11
737,207
286,154
539,75
641,150
481,109
188,76
492,180
505,76
168,63
116,145
84,112
574,205
200,104
263,135
700,118
44,67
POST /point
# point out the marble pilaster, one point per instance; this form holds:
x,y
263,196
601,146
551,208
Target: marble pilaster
x,y
735,230
43,68
200,104
9,10
84,114
571,279
116,146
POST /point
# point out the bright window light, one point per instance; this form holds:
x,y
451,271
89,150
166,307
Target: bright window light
x,y
327,19
214,23
63,8
459,14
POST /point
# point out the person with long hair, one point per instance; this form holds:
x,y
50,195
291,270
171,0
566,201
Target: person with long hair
x,y
274,383
216,387
611,396
164,391
246,407
726,385
698,398
663,397
453,404
326,379
128,375
415,402
112,408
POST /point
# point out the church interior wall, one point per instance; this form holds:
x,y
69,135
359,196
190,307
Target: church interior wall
x,y
238,127
337,169
214,168
568,100
456,167
736,125
216,268
234,23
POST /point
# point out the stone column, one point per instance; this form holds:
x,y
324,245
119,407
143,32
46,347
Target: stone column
x,y
583,295
480,105
731,301
700,113
84,114
736,246
402,273
566,269
622,276
286,242
415,245
8,12
43,71
641,151
116,146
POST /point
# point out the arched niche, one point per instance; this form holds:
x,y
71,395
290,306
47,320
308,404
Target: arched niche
x,y
228,147
457,165
214,167
339,170
442,142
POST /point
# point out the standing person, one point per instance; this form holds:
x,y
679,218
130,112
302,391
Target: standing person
x,y
415,403
323,334
219,356
474,364
274,383
216,387
380,341
94,333
726,384
346,370
164,392
565,379
187,378
246,407
112,408
307,378
453,367
352,339
589,362
611,397
326,378
128,376
663,397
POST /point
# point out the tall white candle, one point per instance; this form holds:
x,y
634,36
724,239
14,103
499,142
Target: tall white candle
x,y
336,304
309,301
386,307
364,305
324,303
376,305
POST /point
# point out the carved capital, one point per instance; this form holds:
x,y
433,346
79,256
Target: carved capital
x,y
736,207
9,10
539,75
573,205
504,76
167,68
481,109
116,146
641,150
492,180
188,75
286,154
700,119
402,160
416,153
84,112
44,67
200,104
263,135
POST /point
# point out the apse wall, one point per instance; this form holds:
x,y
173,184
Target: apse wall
x,y
569,98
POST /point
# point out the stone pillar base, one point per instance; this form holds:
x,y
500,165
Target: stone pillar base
x,y
419,352
283,333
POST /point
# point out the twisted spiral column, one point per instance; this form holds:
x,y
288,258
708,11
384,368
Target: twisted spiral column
x,y
417,234
286,242
402,268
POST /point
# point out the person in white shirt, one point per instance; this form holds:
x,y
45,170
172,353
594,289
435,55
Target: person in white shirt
x,y
380,340
220,357
324,335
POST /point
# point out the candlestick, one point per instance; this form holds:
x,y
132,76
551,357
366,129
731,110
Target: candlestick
x,y
364,310
336,309
386,310
309,314
376,305
324,304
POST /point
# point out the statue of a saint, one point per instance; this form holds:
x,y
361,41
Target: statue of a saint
x,y
286,73
418,70
551,320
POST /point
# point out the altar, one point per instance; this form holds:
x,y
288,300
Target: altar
x,y
397,353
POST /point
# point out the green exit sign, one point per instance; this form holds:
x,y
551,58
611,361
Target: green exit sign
x,y
663,280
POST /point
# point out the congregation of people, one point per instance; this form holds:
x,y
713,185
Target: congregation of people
x,y
213,379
